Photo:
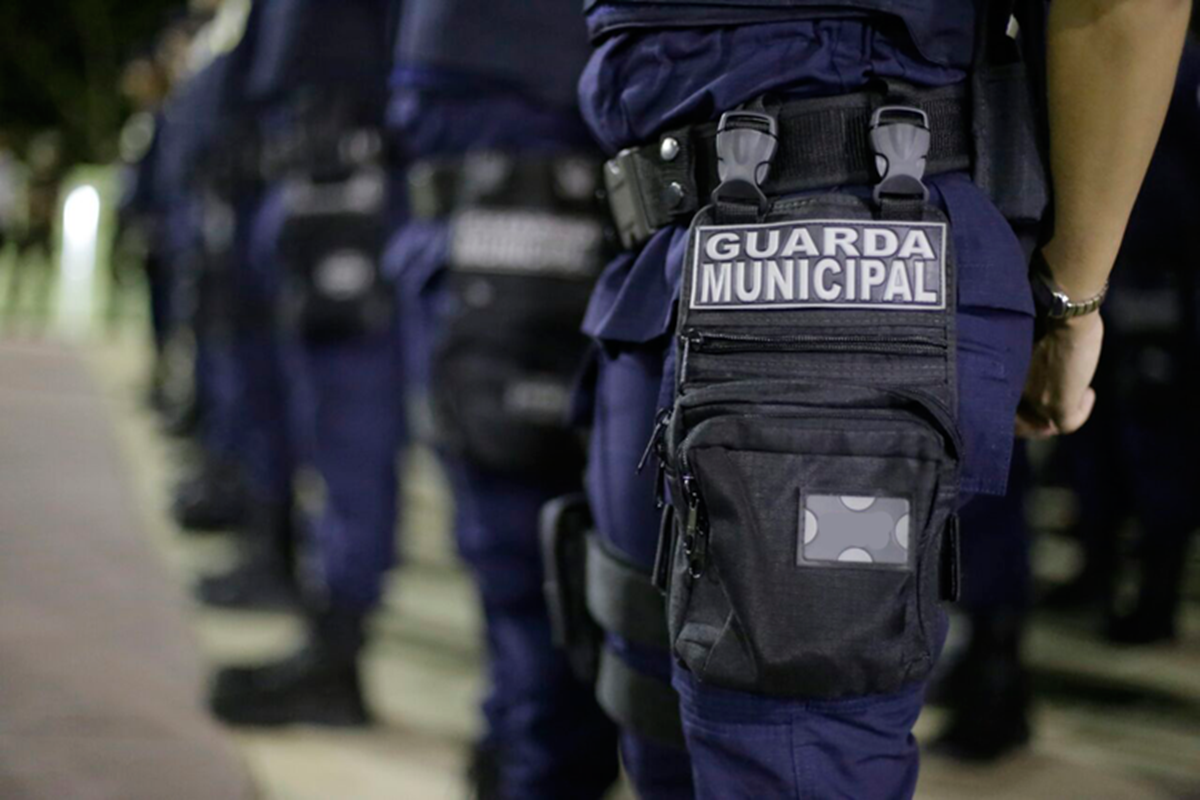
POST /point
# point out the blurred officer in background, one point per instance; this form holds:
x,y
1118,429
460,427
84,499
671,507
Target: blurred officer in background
x,y
495,268
785,684
10,188
46,167
140,214
240,371
318,86
1128,461
211,494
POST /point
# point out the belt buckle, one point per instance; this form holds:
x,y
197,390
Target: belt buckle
x,y
900,139
746,144
625,199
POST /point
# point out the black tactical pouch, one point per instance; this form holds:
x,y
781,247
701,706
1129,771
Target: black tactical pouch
x,y
812,451
331,240
524,255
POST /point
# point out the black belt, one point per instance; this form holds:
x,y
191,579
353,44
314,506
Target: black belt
x,y
569,183
301,150
820,143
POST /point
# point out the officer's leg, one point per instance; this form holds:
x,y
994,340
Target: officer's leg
x,y
1096,471
359,431
267,575
553,741
987,691
628,390
1162,482
746,746
212,496
352,428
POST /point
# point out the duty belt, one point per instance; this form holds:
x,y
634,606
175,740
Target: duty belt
x,y
437,187
808,144
305,150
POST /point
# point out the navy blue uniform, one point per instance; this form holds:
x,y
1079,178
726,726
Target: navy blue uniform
x,y
658,66
341,392
193,120
492,79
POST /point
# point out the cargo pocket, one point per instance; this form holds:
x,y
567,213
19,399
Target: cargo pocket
x,y
807,560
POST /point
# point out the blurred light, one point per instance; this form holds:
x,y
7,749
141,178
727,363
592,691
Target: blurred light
x,y
80,241
81,227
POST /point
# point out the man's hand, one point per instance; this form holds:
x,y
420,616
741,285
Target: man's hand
x,y
1058,395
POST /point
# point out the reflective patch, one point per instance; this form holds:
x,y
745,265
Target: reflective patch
x,y
538,398
854,530
362,194
526,243
820,264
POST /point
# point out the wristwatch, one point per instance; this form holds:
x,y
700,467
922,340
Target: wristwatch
x,y
1051,301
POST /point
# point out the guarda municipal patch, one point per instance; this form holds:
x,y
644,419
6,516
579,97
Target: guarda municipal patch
x,y
820,264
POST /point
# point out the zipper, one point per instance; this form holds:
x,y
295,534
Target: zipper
x,y
708,342
657,447
833,343
695,533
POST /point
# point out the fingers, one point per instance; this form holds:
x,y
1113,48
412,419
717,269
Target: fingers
x,y
1032,424
1069,420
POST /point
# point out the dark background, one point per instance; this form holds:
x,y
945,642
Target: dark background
x,y
60,64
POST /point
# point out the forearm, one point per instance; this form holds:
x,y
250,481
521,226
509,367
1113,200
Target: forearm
x,y
1111,70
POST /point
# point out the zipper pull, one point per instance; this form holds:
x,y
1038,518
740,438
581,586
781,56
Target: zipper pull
x,y
695,535
654,446
687,340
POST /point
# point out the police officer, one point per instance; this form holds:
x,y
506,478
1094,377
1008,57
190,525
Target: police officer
x,y
318,82
240,368
187,117
144,87
494,272
785,680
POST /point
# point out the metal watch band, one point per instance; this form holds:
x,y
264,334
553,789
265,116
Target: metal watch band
x,y
1054,303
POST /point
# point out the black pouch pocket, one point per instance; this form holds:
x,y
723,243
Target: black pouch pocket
x,y
810,543
511,349
812,450
332,239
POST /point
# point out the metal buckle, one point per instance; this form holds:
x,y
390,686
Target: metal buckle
x,y
746,144
900,140
625,200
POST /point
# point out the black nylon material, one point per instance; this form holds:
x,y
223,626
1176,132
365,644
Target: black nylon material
x,y
760,430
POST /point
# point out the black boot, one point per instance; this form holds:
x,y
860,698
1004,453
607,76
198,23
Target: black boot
x,y
1152,620
989,707
317,685
266,578
257,584
213,499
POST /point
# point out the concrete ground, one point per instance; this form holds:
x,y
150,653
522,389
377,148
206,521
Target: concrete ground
x,y
1110,723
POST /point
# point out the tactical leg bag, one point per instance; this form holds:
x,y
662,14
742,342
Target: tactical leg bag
x,y
331,240
812,451
509,354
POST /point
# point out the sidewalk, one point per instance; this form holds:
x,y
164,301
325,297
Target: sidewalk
x,y
99,679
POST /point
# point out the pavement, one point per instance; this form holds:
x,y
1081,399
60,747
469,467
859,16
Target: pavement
x,y
80,516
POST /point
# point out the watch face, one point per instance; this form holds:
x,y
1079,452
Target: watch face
x,y
1060,305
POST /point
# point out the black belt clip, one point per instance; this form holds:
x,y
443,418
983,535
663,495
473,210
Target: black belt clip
x,y
900,139
746,144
